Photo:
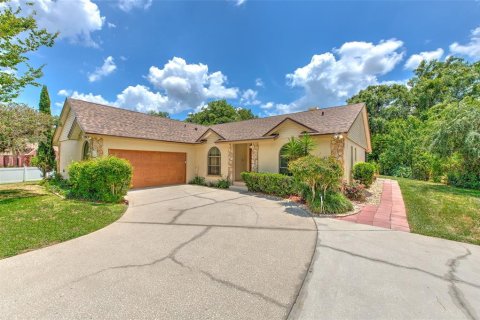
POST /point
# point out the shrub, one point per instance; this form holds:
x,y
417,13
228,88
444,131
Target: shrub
x,y
56,184
403,172
364,172
354,191
198,181
322,174
333,203
422,166
269,183
104,179
220,184
464,180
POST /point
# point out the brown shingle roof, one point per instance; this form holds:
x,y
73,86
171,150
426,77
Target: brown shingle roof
x,y
323,121
106,120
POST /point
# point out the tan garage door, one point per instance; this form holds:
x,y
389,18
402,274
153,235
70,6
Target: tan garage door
x,y
152,168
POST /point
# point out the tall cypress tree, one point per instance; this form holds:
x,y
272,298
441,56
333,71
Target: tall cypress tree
x,y
45,159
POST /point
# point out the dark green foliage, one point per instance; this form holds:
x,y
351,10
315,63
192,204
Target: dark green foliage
x,y
430,129
100,179
333,203
56,184
298,147
162,114
45,159
19,36
220,184
364,172
220,111
198,181
354,191
403,172
269,183
319,174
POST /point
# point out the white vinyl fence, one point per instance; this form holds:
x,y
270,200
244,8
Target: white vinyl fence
x,y
22,174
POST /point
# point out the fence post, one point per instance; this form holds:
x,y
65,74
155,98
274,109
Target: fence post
x,y
24,173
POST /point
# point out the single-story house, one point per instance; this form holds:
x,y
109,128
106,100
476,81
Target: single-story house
x,y
164,151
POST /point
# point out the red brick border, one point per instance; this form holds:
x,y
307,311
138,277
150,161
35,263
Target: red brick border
x,y
390,213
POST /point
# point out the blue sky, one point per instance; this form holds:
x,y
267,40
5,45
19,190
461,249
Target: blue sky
x,y
270,56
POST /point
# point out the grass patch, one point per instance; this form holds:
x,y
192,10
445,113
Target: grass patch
x,y
442,211
31,218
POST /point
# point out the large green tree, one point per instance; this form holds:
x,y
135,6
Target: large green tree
x,y
220,111
19,36
161,114
45,159
21,126
428,128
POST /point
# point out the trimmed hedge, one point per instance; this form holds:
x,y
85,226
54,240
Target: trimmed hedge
x,y
104,179
364,173
270,183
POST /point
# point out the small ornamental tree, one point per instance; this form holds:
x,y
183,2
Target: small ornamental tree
x,y
317,173
45,159
298,147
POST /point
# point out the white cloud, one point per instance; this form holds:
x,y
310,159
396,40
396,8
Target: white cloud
x,y
189,85
259,82
332,77
90,97
127,5
415,59
249,98
107,68
240,2
111,25
140,98
471,49
64,93
268,105
53,15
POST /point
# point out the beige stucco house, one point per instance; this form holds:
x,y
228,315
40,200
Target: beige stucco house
x,y
164,151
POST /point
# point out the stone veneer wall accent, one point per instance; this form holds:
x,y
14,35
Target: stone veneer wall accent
x,y
96,147
255,157
337,147
230,162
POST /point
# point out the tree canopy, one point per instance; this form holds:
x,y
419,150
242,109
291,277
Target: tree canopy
x,y
428,128
219,111
20,126
162,114
45,159
19,35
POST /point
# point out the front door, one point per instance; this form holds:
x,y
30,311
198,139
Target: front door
x,y
241,160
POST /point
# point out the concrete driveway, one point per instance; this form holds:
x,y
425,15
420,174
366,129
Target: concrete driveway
x,y
366,272
182,252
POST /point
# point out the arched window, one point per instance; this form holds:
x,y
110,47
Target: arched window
x,y
214,161
86,151
282,161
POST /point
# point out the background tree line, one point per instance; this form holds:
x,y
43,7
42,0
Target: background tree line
x,y
428,128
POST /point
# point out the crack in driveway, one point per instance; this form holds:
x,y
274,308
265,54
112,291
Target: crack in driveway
x,y
444,278
455,292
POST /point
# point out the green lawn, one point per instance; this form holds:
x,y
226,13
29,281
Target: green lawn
x,y
442,211
31,217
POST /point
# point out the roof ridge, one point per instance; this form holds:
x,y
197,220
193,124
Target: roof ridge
x,y
138,112
288,114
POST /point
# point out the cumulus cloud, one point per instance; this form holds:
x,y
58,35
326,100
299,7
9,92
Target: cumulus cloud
x,y
189,85
415,59
127,5
249,98
471,49
259,82
179,86
90,97
240,2
52,15
107,68
330,78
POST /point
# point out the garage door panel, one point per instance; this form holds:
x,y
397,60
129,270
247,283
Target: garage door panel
x,y
153,168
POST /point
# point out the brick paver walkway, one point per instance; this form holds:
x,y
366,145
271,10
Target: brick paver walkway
x,y
390,213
